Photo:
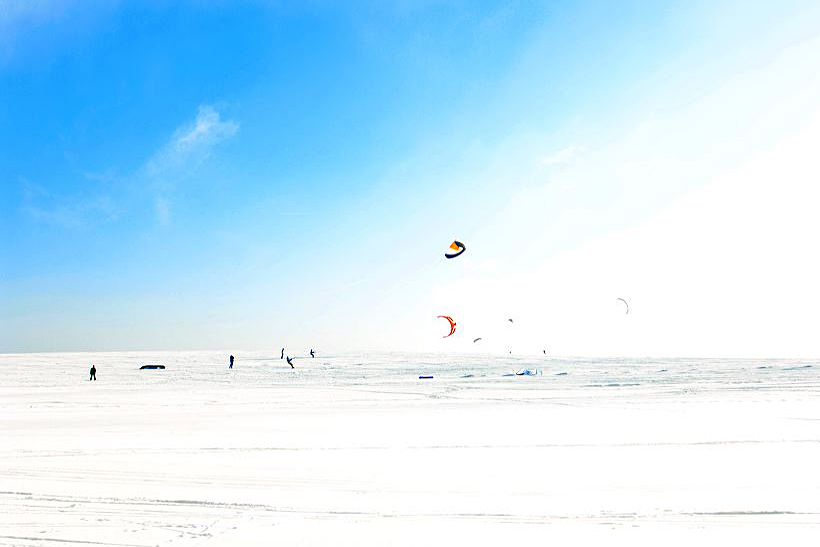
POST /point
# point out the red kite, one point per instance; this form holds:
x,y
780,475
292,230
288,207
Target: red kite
x,y
452,324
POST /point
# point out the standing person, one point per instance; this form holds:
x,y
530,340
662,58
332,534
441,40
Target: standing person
x,y
231,362
93,374
283,354
311,352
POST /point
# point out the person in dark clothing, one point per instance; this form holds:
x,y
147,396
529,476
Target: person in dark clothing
x,y
311,353
283,354
93,374
231,362
290,362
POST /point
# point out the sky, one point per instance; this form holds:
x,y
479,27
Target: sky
x,y
207,175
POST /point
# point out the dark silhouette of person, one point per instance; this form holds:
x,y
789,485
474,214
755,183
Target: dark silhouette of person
x,y
290,362
93,374
311,353
231,362
283,354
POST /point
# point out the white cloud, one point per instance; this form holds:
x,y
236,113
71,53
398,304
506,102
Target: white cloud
x,y
175,162
189,146
68,211
563,156
206,128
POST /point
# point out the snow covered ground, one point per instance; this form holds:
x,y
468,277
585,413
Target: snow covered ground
x,y
356,450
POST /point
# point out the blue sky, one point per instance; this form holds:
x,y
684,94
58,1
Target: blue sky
x,y
207,175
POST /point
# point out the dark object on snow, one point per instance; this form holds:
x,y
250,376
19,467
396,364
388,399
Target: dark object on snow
x,y
152,367
425,377
93,372
290,362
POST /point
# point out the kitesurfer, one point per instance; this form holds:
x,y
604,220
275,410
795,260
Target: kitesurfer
x,y
231,366
290,362
311,353
93,374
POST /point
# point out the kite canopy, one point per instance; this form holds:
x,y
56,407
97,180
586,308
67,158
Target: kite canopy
x,y
626,304
458,247
476,340
452,325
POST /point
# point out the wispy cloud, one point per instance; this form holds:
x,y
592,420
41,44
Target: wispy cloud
x,y
108,176
189,146
67,211
563,156
175,162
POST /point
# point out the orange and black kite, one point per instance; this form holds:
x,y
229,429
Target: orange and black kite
x,y
458,247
